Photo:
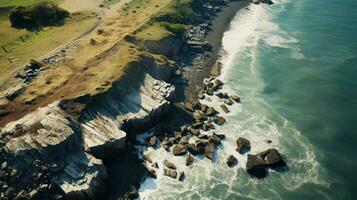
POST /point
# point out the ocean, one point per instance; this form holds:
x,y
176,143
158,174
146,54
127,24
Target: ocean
x,y
294,65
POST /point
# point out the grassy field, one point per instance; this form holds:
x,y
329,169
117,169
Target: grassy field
x,y
37,43
153,32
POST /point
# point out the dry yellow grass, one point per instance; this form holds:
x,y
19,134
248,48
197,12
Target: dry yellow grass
x,y
153,32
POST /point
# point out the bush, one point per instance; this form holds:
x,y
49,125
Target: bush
x,y
38,15
177,29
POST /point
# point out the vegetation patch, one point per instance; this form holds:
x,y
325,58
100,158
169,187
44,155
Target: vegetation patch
x,y
37,15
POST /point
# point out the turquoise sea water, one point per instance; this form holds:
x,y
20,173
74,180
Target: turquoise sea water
x,y
294,64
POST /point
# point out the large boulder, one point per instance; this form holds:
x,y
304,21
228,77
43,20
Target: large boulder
x,y
219,120
193,149
272,158
256,166
243,145
169,164
209,150
179,150
170,173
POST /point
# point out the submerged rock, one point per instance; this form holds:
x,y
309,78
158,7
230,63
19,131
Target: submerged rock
x,y
232,161
243,144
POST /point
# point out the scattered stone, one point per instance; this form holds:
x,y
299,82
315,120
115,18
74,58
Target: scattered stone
x,y
220,136
179,150
272,158
199,116
170,173
211,112
204,108
210,91
203,137
214,139
152,141
181,176
193,149
222,95
152,173
256,166
155,165
235,98
224,108
195,132
228,102
183,140
219,120
169,164
232,161
268,141
243,144
209,150
189,160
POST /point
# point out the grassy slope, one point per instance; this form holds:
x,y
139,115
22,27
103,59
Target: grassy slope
x,y
37,43
154,31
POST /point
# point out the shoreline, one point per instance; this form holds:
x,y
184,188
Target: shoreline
x,y
220,24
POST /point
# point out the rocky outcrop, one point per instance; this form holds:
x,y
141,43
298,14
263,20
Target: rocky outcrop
x,y
257,164
71,146
169,46
51,137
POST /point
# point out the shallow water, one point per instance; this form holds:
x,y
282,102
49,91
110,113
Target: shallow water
x,y
294,66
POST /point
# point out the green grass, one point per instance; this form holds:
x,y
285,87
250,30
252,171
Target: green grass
x,y
37,43
7,5
153,32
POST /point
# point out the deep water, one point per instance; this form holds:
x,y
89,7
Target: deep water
x,y
294,64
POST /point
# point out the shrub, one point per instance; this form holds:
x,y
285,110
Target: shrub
x,y
35,16
177,29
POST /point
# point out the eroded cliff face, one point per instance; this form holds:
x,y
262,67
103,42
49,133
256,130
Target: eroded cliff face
x,y
57,153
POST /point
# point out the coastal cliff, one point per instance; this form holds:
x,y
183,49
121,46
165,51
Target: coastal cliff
x,y
57,150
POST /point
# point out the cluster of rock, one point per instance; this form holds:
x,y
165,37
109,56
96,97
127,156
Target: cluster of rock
x,y
30,71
